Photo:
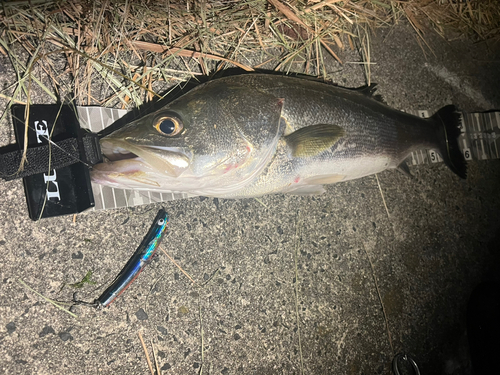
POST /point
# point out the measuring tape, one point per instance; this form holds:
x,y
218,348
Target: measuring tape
x,y
478,141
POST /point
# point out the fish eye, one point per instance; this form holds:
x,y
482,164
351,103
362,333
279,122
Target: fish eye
x,y
161,221
168,126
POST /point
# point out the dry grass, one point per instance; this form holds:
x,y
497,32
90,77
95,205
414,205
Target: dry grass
x,y
138,48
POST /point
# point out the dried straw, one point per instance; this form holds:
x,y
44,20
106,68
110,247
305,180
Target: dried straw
x,y
139,48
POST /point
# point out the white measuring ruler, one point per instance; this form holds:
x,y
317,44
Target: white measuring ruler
x,y
479,139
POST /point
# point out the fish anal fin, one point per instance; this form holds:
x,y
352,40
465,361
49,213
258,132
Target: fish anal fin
x,y
314,139
324,179
403,168
307,190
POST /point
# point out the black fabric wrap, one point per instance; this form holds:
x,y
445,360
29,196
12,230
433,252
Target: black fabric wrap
x,y
61,155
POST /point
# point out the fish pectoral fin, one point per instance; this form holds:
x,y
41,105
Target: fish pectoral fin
x,y
324,179
403,168
314,139
307,190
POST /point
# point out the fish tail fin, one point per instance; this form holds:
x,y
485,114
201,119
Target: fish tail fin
x,y
449,120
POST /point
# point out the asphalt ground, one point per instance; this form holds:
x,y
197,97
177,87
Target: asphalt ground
x,y
331,284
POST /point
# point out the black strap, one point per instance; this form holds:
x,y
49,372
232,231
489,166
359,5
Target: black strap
x,y
51,156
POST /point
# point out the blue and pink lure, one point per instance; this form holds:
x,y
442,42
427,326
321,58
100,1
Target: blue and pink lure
x,y
137,262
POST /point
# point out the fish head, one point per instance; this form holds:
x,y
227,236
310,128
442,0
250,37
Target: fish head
x,y
216,137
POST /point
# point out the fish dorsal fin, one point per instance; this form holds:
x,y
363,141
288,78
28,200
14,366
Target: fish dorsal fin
x,y
312,140
369,91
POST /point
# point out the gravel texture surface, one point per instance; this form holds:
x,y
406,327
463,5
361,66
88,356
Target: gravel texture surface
x,y
285,283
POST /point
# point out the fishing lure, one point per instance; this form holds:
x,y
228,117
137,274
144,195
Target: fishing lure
x,y
137,262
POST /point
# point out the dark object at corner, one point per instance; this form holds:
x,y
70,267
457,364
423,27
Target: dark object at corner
x,y
483,327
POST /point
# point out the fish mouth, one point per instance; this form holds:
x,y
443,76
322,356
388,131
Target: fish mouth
x,y
120,154
116,153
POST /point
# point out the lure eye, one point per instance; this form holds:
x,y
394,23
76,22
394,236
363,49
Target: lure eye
x,y
168,125
161,221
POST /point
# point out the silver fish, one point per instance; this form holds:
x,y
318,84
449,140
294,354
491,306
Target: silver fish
x,y
256,134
